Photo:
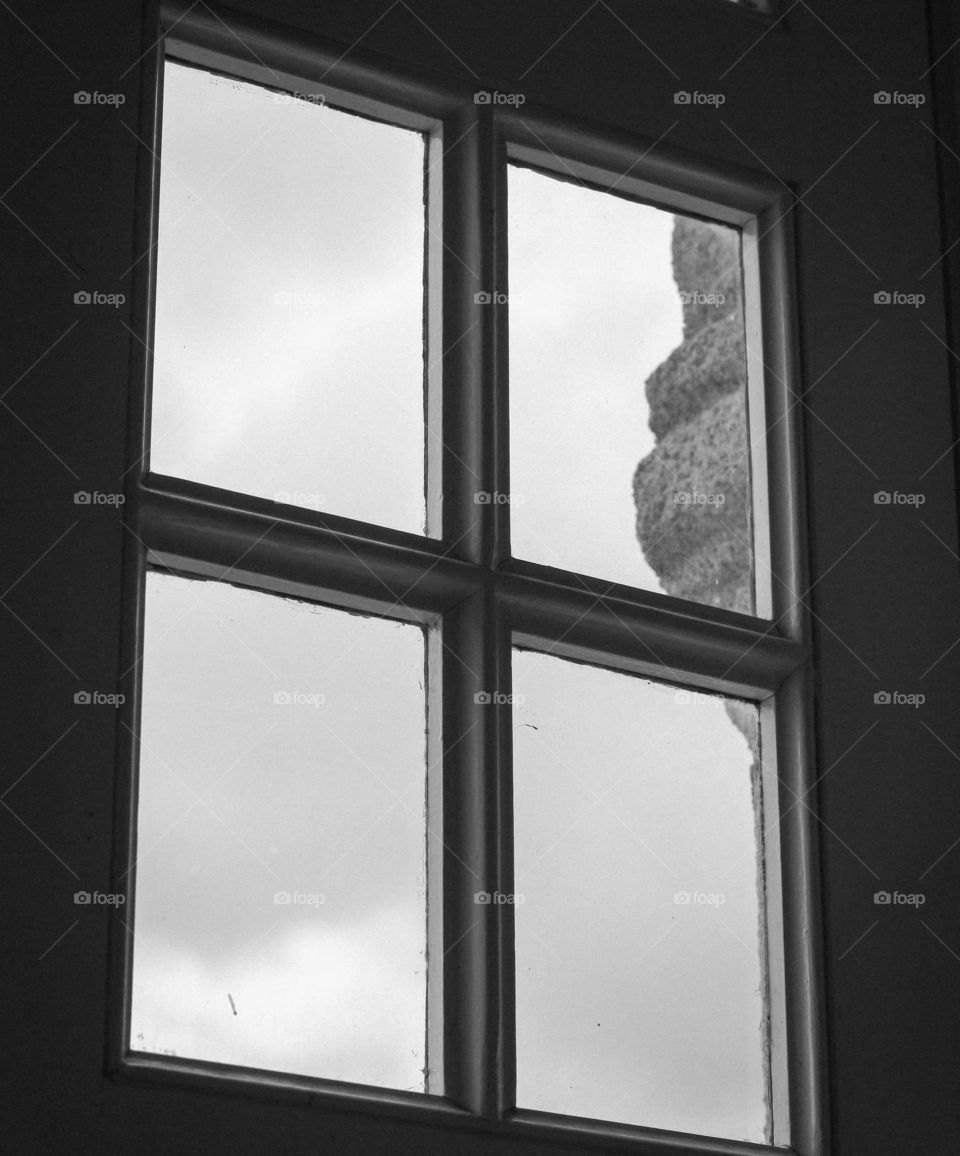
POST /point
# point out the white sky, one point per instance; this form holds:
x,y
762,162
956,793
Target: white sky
x,y
305,796
289,301
317,394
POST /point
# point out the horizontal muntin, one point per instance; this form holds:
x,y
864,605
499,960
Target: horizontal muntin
x,y
218,534
263,53
614,161
232,537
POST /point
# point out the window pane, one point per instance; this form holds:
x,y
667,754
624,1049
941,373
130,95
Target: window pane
x,y
628,399
640,981
289,334
280,910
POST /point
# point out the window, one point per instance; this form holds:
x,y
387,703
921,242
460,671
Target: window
x,y
391,492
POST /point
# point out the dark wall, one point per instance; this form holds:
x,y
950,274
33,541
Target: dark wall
x,y
877,417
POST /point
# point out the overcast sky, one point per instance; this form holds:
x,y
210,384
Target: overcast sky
x,y
321,796
289,361
635,1004
289,301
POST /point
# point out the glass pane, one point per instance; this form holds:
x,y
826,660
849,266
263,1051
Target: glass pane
x,y
280,903
640,981
628,399
289,317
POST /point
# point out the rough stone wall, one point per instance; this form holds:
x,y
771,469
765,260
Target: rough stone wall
x,y
700,550
697,398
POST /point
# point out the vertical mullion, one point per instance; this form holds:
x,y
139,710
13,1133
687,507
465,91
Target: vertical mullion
x,y
477,861
473,521
475,647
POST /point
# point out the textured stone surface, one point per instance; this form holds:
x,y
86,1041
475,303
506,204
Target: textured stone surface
x,y
692,492
706,259
708,365
699,548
